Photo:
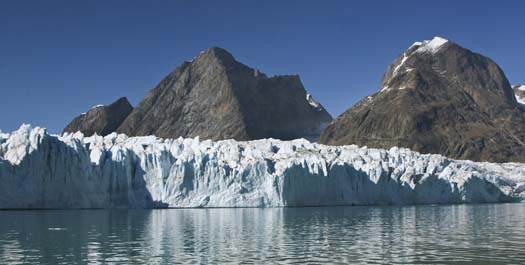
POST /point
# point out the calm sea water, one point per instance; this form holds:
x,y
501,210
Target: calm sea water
x,y
453,234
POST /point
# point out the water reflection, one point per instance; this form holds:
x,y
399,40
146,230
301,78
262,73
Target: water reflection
x,y
457,234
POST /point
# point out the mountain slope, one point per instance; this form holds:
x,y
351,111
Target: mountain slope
x,y
101,120
216,97
438,97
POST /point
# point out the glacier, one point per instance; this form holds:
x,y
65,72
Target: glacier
x,y
39,170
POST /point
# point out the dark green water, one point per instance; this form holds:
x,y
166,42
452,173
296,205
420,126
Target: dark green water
x,y
453,234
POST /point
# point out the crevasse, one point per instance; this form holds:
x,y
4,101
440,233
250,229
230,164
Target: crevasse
x,y
42,171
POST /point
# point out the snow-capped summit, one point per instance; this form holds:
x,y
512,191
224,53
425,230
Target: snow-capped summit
x,y
400,65
438,97
430,45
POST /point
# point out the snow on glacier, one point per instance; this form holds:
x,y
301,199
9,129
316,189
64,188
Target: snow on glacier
x,y
38,170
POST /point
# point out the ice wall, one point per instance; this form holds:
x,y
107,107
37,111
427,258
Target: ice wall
x,y
38,170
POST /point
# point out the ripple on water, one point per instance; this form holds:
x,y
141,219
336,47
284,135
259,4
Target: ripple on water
x,y
451,234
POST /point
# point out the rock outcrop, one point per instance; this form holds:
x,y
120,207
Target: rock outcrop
x,y
215,97
438,97
101,119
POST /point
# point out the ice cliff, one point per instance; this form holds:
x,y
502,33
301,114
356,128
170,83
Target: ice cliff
x,y
39,170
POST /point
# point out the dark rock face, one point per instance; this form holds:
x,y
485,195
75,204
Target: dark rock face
x,y
101,120
438,97
216,97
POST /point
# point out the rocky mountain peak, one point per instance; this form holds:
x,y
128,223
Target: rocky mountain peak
x,y
438,97
216,97
442,64
215,54
405,63
431,46
101,119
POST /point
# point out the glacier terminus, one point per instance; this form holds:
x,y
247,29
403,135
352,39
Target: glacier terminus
x,y
43,171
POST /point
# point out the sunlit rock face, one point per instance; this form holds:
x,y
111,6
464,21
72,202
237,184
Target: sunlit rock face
x,y
216,97
438,97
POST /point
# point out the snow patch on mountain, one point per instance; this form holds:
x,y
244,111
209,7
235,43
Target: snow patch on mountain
x,y
38,170
432,46
519,93
415,44
314,103
97,106
396,69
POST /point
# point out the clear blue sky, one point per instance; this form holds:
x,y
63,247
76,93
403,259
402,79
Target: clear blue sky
x,y
59,58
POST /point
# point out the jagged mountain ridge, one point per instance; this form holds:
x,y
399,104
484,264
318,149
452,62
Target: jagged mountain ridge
x,y
215,97
438,97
